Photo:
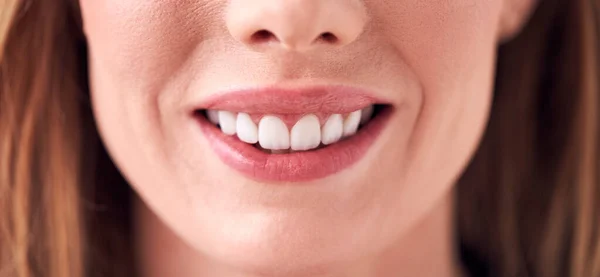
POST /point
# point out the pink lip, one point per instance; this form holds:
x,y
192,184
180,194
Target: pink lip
x,y
271,100
298,166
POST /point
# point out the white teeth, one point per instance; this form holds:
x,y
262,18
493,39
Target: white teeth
x,y
306,133
213,116
366,114
247,131
332,129
227,120
351,123
273,133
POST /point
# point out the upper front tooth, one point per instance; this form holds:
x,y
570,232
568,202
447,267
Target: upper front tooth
x,y
332,129
227,120
351,123
273,134
366,114
247,131
306,133
213,116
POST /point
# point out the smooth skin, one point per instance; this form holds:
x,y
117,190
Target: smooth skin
x,y
389,215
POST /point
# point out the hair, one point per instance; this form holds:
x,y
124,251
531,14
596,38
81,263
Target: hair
x,y
527,205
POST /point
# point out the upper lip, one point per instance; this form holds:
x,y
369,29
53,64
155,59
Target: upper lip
x,y
277,100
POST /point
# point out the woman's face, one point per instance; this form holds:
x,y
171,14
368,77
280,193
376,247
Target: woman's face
x,y
277,75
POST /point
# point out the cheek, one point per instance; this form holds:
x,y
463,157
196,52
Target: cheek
x,y
453,54
450,47
142,43
131,45
135,49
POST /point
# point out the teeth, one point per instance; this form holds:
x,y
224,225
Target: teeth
x,y
273,134
332,129
227,120
213,116
306,133
351,123
247,131
366,114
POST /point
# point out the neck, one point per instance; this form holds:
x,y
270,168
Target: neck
x,y
426,250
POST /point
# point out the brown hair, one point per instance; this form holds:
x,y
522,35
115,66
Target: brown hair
x,y
528,205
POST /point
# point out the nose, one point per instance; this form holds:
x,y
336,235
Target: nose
x,y
297,25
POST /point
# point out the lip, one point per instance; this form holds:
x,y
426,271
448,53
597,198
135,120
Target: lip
x,y
298,100
297,166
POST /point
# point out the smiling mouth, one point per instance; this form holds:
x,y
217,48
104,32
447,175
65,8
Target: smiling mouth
x,y
278,135
284,134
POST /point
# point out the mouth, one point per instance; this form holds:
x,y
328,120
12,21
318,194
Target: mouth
x,y
277,135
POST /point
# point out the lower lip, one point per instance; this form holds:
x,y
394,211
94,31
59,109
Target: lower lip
x,y
297,166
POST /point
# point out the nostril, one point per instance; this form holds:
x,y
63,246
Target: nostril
x,y
328,37
263,36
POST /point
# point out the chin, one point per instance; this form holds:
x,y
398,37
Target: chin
x,y
277,245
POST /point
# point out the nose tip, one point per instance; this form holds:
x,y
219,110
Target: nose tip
x,y
297,25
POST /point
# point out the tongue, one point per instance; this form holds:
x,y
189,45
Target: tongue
x,y
269,151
